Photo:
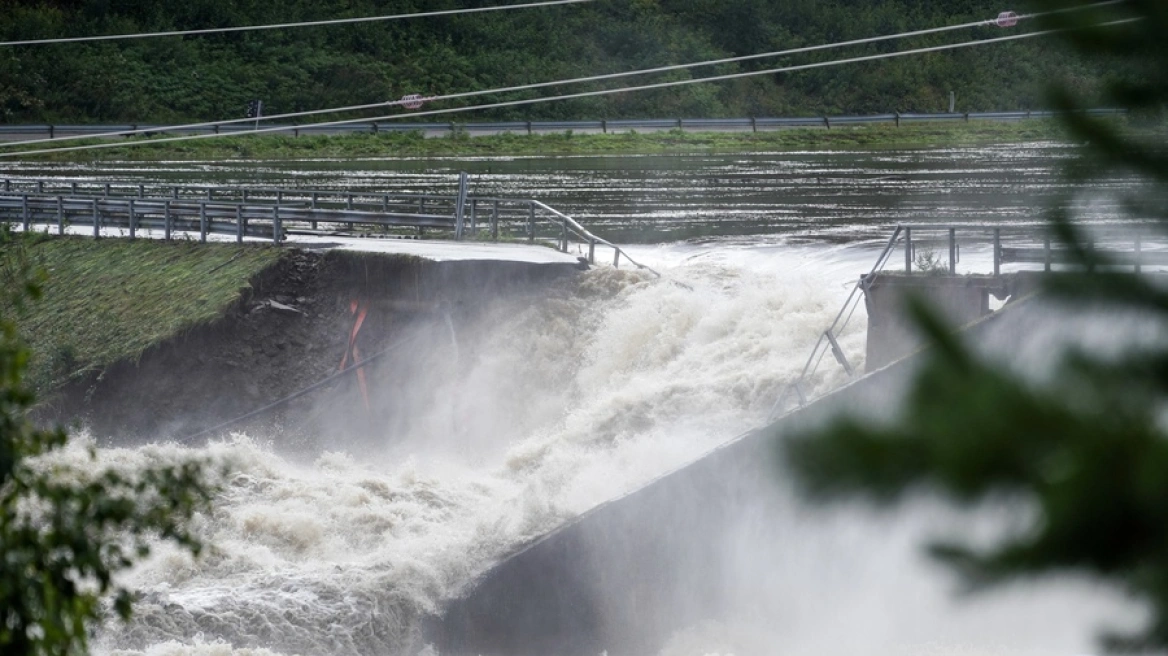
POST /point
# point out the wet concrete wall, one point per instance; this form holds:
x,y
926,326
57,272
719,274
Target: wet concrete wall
x,y
958,299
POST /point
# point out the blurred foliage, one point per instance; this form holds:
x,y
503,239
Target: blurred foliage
x,y
212,77
1088,449
66,528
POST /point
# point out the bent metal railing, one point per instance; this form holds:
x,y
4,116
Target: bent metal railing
x,y
274,213
1123,244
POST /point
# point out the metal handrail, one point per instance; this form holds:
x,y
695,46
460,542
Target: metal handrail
x,y
829,336
1136,231
359,208
592,239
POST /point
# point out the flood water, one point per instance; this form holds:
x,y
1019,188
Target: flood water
x,y
339,552
838,195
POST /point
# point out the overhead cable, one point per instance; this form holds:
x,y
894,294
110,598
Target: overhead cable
x,y
572,96
553,83
281,26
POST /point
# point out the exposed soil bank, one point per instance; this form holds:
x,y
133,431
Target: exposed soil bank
x,y
292,329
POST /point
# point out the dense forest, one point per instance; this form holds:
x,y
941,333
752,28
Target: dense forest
x,y
213,77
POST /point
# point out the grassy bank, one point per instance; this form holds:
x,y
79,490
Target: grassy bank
x,y
674,141
111,299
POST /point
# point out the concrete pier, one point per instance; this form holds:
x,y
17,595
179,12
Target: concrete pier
x,y
959,300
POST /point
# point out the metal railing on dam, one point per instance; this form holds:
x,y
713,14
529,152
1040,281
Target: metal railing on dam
x,y
274,213
749,124
934,251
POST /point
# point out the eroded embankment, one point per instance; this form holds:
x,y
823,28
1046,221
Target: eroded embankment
x,y
292,325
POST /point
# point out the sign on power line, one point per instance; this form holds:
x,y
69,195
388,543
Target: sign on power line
x,y
412,101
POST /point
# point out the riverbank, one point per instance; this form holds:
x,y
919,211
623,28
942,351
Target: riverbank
x,y
111,300
460,144
159,339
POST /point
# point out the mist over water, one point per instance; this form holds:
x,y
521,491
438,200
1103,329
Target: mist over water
x,y
545,407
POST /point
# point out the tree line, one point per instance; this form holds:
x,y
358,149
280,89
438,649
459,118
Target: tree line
x,y
214,77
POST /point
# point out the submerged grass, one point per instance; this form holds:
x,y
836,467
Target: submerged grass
x,y
111,299
413,144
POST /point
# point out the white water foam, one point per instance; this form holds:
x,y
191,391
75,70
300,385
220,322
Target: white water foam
x,y
622,380
549,408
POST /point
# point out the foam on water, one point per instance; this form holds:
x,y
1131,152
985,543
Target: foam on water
x,y
548,408
622,381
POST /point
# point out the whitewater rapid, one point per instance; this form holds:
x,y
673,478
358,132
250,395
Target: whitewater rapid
x,y
557,405
545,408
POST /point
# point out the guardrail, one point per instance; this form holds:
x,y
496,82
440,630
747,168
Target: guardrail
x,y
273,213
752,124
1134,244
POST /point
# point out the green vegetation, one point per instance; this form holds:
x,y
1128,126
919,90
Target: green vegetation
x,y
213,77
67,527
1086,447
921,135
113,299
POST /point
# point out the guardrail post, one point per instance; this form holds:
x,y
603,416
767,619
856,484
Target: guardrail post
x,y
133,226
529,128
7,185
616,258
997,251
826,123
239,224
495,221
277,225
141,191
897,119
166,220
474,216
52,132
174,192
24,211
96,221
40,186
107,190
592,251
604,126
1138,249
203,222
60,215
460,206
952,250
563,236
908,250
531,223
754,124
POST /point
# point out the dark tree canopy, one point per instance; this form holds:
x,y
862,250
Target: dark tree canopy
x,y
213,77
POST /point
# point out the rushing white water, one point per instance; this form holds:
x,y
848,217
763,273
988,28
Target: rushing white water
x,y
565,403
550,406
562,404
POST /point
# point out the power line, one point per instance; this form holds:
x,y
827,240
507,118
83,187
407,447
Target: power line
x,y
571,96
280,26
579,80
